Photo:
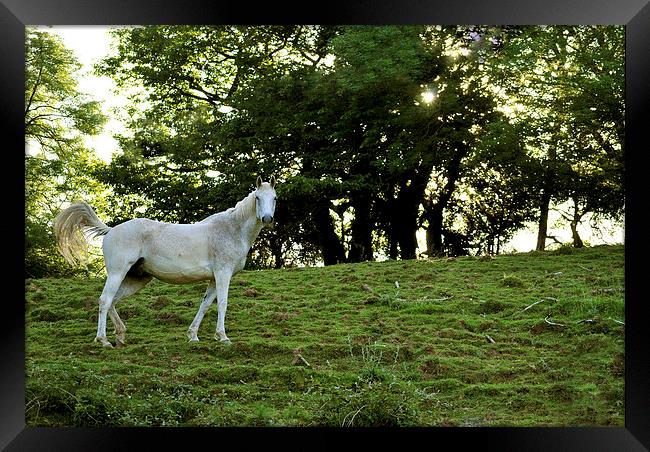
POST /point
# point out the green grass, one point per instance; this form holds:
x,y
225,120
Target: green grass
x,y
453,345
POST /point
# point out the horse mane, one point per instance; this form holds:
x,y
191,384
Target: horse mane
x,y
244,208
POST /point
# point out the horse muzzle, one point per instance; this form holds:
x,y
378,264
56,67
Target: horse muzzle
x,y
267,220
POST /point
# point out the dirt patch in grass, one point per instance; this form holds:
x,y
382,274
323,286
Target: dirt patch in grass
x,y
171,318
160,302
492,306
618,365
253,293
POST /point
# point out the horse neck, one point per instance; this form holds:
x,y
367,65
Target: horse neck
x,y
251,228
249,225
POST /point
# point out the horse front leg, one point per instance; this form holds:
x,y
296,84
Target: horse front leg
x,y
222,279
208,298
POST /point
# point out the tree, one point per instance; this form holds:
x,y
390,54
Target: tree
x,y
193,143
569,85
363,159
58,166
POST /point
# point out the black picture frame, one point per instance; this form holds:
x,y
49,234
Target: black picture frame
x,y
16,14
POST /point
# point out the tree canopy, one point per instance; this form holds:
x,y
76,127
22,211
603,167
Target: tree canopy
x,y
374,132
58,165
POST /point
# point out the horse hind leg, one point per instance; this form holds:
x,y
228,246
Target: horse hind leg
x,y
118,267
111,287
129,286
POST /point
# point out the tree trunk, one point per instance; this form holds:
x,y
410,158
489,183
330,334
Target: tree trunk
x,y
391,228
276,250
436,211
577,216
393,252
407,238
330,244
542,232
577,241
406,215
434,231
361,229
549,181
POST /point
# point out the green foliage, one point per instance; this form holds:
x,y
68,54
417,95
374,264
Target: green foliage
x,y
518,118
423,360
58,167
570,81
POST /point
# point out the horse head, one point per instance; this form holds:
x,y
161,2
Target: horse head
x,y
265,200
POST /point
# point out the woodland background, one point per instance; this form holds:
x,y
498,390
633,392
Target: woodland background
x,y
374,132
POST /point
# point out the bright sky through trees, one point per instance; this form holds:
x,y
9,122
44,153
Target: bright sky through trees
x,y
92,43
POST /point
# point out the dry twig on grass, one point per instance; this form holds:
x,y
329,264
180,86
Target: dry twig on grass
x,y
443,299
298,359
552,323
352,418
538,302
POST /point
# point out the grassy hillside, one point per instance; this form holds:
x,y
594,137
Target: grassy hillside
x,y
520,340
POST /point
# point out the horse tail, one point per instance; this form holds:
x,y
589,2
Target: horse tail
x,y
69,226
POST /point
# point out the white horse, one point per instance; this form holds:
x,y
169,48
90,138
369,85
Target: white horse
x,y
139,250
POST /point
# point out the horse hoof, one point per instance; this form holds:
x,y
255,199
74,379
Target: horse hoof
x,y
222,340
104,342
107,345
194,339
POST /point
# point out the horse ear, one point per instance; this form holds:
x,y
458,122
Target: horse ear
x,y
259,181
272,181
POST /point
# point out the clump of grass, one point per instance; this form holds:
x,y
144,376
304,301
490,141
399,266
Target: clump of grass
x,y
565,249
492,306
433,368
512,281
46,315
618,365
94,410
369,404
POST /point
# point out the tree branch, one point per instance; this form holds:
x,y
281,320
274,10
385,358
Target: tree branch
x,y
31,98
554,238
234,85
212,98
